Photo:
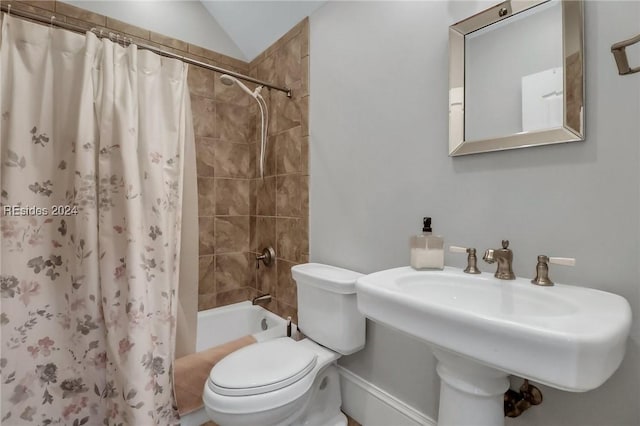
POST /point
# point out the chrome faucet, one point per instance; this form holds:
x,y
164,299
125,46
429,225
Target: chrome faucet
x,y
504,257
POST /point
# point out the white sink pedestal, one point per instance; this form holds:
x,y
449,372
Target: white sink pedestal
x,y
470,393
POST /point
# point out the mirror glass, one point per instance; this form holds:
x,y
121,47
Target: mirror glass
x,y
516,77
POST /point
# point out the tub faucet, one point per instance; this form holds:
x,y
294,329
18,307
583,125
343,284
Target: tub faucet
x,y
264,298
504,257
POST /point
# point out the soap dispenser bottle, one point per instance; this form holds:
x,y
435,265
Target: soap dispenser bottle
x,y
427,250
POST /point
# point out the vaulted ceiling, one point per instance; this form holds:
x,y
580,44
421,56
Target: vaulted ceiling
x,y
255,25
237,28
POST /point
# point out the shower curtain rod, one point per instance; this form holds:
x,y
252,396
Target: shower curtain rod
x,y
159,51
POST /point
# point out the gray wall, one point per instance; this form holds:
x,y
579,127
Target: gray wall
x,y
184,20
378,123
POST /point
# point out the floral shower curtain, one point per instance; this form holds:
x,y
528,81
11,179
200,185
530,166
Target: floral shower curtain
x,y
92,136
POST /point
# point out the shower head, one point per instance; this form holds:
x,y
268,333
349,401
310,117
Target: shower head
x,y
230,80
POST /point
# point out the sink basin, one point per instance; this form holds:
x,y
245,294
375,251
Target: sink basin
x,y
482,329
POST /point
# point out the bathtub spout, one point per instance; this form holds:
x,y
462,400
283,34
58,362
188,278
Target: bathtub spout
x,y
263,298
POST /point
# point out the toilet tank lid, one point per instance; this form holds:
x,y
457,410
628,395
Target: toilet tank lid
x,y
327,277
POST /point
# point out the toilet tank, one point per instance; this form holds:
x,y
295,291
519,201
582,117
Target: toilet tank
x,y
327,308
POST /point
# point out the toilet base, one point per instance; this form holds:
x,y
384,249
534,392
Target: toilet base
x,y
323,408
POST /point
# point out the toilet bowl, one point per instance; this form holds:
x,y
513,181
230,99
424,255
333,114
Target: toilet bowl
x,y
283,382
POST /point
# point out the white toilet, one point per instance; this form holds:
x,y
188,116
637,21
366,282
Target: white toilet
x,y
283,382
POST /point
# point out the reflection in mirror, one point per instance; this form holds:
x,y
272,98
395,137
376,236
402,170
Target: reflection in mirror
x,y
513,74
516,77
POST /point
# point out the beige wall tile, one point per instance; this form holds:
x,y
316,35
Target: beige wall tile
x,y
233,122
288,151
232,196
225,61
206,197
170,42
46,4
288,195
253,127
304,38
288,63
34,7
266,196
201,81
266,69
251,293
232,272
304,155
288,239
270,157
207,301
231,159
205,53
123,27
204,117
303,105
304,64
265,233
252,234
266,279
304,197
251,269
286,310
82,14
207,236
252,197
304,239
206,275
287,110
233,296
232,234
86,25
205,157
253,153
286,291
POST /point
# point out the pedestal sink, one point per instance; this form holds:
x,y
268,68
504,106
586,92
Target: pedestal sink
x,y
482,329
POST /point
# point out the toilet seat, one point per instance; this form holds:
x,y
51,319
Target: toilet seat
x,y
262,368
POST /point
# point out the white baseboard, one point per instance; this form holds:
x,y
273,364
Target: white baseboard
x,y
369,405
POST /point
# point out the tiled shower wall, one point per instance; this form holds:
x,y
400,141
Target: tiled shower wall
x,y
224,168
280,201
239,213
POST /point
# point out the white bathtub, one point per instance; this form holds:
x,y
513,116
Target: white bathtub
x,y
220,325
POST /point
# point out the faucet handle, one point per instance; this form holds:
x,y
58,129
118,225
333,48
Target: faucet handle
x,y
472,265
268,256
542,268
566,261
